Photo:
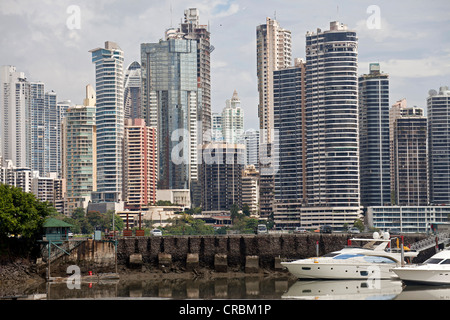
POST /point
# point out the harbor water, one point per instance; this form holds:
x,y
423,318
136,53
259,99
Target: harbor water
x,y
244,287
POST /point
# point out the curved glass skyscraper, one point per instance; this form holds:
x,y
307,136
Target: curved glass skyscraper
x,y
332,121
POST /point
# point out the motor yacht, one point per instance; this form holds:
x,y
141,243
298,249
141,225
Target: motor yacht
x,y
434,271
373,260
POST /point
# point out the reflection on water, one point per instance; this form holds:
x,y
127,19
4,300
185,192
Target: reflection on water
x,y
364,290
425,293
220,288
273,288
373,289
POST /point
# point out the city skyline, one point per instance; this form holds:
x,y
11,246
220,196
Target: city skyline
x,y
408,38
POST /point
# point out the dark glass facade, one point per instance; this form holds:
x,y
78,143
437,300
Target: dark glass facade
x,y
439,145
374,138
410,161
290,147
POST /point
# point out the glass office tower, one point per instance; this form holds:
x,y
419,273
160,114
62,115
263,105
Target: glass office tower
x,y
374,137
132,92
289,122
169,100
109,79
439,145
410,158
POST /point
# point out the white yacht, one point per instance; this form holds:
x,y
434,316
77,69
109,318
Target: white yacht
x,y
374,260
434,271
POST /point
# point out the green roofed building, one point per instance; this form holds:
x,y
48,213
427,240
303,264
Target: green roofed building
x,y
56,230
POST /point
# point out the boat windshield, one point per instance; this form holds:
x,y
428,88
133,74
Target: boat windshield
x,y
347,256
446,261
376,259
433,261
330,255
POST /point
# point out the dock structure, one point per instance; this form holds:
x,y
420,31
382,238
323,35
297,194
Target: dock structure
x,y
437,240
218,253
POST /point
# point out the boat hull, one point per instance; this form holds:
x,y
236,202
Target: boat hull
x,y
337,272
424,275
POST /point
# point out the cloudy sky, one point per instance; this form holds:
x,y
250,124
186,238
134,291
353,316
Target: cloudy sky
x,y
49,40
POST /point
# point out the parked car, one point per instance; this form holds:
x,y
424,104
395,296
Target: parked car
x,y
261,229
325,229
156,232
354,230
299,230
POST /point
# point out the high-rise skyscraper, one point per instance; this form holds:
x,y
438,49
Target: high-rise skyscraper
x,y
45,118
216,127
221,178
332,124
79,152
140,164
15,99
109,82
169,97
192,29
38,127
273,52
132,92
395,112
233,120
374,137
251,141
439,145
54,115
290,123
410,158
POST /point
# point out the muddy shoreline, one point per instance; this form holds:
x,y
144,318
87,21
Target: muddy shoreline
x,y
21,277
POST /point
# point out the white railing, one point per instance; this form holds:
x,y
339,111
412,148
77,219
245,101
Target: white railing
x,y
430,242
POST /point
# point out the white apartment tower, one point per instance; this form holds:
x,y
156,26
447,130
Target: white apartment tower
x,y
109,76
14,117
273,52
233,120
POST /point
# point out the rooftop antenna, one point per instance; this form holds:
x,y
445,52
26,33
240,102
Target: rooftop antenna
x,y
275,15
171,24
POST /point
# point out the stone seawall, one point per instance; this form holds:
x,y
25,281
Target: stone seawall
x,y
220,253
268,248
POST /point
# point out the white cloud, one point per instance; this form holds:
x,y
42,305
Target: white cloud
x,y
432,66
387,31
412,43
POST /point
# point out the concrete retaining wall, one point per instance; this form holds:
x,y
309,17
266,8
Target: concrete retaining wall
x,y
236,248
204,251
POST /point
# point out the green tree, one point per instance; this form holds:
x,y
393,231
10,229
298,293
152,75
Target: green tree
x,y
118,222
21,213
359,224
245,224
234,212
246,210
188,226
